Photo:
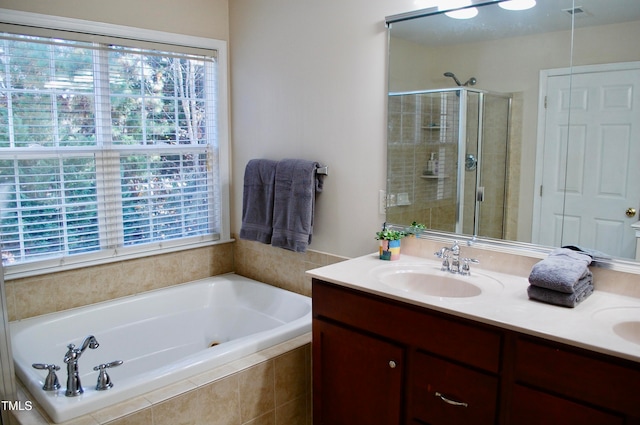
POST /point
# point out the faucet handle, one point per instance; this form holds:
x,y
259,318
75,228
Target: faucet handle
x,y
466,270
104,381
51,381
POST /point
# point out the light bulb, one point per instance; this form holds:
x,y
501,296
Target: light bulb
x,y
517,4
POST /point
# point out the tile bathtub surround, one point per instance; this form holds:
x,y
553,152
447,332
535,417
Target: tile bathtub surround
x,y
33,296
279,267
271,387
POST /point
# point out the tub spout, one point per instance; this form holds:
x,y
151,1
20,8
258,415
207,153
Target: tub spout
x,y
74,387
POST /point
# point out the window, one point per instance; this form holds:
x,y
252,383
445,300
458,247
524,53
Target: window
x,y
106,149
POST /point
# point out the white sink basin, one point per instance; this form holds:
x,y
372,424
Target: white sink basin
x,y
624,321
431,281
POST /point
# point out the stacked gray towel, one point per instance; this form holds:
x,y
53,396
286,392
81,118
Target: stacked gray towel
x,y
563,278
278,202
296,186
257,200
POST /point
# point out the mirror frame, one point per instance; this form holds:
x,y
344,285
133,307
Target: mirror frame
x,y
512,247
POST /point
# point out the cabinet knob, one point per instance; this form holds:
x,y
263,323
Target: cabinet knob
x,y
392,364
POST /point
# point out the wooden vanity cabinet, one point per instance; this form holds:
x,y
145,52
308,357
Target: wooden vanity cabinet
x,y
379,361
362,376
574,386
376,361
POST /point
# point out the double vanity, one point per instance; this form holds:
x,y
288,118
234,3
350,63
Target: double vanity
x,y
404,342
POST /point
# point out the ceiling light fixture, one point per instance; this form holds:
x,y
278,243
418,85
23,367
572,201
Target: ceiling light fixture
x,y
517,4
467,13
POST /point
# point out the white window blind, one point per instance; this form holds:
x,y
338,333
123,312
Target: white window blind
x,y
104,148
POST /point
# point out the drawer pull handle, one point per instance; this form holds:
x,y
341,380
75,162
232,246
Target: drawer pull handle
x,y
449,401
392,364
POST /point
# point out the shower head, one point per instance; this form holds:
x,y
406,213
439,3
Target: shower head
x,y
452,75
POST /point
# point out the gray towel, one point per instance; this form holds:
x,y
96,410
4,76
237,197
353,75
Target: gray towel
x,y
295,190
593,253
561,270
257,200
560,298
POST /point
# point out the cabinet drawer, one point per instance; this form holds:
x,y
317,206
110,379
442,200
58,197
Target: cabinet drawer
x,y
446,393
597,379
457,339
533,407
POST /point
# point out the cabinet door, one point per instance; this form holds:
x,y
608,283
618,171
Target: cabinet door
x,y
447,393
357,378
531,407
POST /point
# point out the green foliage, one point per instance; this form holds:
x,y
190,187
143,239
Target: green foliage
x,y
51,204
390,235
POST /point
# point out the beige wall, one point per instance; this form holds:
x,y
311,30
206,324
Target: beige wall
x,y
309,81
199,18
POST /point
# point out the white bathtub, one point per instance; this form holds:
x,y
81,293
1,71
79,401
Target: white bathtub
x,y
162,336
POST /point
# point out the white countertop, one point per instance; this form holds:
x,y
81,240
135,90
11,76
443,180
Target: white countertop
x,y
505,304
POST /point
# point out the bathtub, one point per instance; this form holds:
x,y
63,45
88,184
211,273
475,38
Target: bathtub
x,y
162,337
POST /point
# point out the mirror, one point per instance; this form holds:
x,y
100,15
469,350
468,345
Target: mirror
x,y
545,175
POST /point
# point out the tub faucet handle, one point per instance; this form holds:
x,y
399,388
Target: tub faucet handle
x,y
51,381
104,381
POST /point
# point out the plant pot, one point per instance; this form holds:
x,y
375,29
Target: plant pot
x,y
390,250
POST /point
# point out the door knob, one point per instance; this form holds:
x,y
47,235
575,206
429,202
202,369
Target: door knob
x,y
630,212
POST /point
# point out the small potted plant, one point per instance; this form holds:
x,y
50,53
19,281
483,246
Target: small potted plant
x,y
390,243
416,228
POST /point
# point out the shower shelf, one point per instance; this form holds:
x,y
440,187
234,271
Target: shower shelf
x,y
444,176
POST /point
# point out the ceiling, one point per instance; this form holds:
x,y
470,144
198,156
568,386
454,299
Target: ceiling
x,y
547,16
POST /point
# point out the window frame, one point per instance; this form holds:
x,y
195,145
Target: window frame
x,y
93,28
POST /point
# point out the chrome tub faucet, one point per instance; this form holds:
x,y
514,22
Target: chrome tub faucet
x,y
74,387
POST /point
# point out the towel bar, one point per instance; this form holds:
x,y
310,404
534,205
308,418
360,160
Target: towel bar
x,y
323,170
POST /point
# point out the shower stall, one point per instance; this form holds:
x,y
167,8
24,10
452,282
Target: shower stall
x,y
447,158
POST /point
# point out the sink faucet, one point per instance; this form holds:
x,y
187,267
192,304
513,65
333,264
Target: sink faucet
x,y
74,387
451,260
455,258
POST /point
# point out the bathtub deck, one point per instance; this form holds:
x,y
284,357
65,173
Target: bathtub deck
x,y
153,399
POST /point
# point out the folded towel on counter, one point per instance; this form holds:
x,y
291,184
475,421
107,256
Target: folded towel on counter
x,y
593,253
561,271
296,185
257,200
560,298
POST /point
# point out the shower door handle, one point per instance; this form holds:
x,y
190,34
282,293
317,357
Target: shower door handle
x,y
480,194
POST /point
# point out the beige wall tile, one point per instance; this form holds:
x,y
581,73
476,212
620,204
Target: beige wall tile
x,y
268,418
291,376
292,413
143,417
34,296
220,402
257,390
279,267
181,410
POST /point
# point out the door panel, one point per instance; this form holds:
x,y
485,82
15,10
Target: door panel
x,y
590,170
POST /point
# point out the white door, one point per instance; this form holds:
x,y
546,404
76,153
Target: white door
x,y
588,188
